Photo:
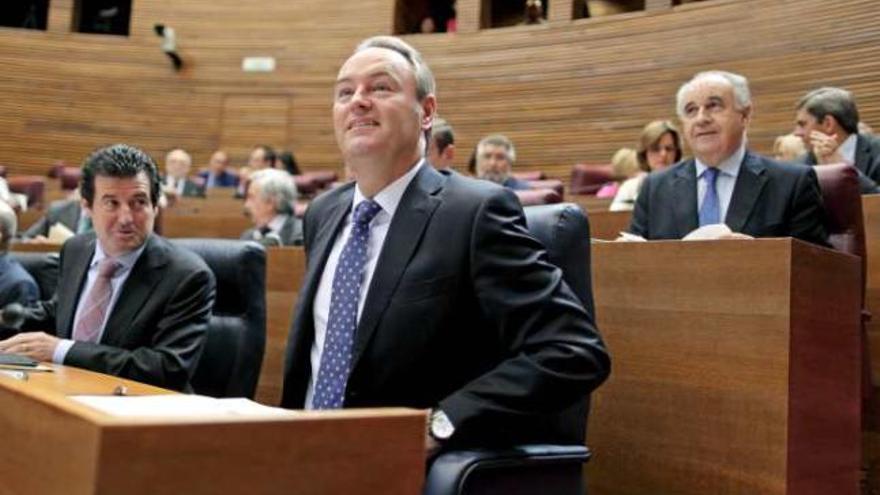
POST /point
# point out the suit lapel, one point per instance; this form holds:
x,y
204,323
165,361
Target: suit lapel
x,y
78,260
749,184
863,153
410,220
144,276
684,202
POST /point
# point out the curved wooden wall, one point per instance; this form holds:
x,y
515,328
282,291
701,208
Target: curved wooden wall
x,y
565,92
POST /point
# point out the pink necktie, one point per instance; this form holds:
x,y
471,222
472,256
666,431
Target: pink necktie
x,y
88,327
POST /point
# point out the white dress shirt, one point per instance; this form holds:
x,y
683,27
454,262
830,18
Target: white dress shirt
x,y
728,170
847,149
388,199
119,277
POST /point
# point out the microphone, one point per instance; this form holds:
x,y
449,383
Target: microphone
x,y
13,316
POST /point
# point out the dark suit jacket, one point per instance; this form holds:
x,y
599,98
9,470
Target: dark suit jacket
x,y
225,179
867,158
64,211
770,199
190,188
156,329
16,284
291,233
463,312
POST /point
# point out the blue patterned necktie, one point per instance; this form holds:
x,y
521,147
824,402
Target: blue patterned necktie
x,y
342,321
710,211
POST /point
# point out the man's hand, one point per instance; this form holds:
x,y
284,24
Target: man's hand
x,y
35,345
825,148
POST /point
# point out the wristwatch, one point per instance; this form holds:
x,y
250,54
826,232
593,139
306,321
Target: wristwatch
x,y
441,428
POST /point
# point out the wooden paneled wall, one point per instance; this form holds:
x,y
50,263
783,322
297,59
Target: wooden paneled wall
x,y
565,92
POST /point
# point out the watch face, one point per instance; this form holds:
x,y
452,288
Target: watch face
x,y
441,427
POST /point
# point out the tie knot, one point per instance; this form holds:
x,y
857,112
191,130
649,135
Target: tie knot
x,y
710,174
107,267
365,212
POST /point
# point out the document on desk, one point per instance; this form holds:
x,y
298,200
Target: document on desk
x,y
178,405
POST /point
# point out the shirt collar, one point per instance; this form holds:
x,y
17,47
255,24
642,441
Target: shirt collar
x,y
389,197
847,148
729,166
127,260
277,223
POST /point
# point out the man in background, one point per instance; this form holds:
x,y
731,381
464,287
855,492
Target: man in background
x,y
724,183
495,158
218,174
177,183
270,200
16,284
441,147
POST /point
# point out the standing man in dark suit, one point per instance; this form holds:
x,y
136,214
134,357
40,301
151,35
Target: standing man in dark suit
x,y
270,200
128,302
827,121
725,183
425,289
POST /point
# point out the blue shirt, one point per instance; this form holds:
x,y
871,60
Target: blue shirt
x,y
16,284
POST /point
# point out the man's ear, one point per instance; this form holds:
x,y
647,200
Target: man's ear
x,y
747,114
449,151
85,206
429,111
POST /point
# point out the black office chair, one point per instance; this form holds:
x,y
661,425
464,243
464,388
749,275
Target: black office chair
x,y
43,267
532,469
233,354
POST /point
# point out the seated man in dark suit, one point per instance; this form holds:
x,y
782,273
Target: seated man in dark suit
x,y
218,174
725,183
828,122
176,182
495,157
128,302
16,284
270,199
64,212
425,289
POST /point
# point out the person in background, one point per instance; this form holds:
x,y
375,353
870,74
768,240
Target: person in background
x,y
659,147
495,158
441,147
218,174
16,284
176,183
624,166
269,204
788,148
287,162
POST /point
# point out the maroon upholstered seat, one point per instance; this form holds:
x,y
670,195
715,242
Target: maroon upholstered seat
x,y
587,179
69,178
846,232
532,197
530,175
554,184
306,184
32,186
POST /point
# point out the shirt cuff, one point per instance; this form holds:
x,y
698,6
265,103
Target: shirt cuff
x,y
61,349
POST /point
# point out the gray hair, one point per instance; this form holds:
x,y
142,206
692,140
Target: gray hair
x,y
8,225
837,102
425,83
741,94
498,140
276,186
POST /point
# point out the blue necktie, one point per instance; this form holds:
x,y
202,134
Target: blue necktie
x,y
342,321
710,211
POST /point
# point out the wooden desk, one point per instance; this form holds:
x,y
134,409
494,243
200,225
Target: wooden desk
x,y
607,225
735,369
54,445
36,247
589,203
871,211
27,218
285,268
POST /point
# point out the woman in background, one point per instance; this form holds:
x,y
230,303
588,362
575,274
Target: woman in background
x,y
659,147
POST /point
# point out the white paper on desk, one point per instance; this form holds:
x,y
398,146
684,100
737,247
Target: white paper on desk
x,y
59,233
628,237
708,232
177,405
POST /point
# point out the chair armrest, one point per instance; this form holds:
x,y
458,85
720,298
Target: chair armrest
x,y
451,471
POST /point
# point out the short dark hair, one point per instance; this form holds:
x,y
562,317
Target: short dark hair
x,y
268,154
837,102
442,134
118,160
